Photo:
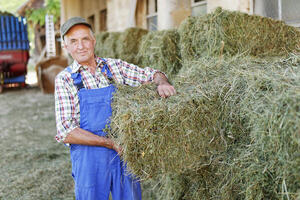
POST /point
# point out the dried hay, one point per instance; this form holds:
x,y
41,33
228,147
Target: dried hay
x,y
270,164
231,132
160,50
128,44
229,33
107,45
100,39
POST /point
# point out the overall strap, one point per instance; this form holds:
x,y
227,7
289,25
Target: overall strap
x,y
76,78
105,69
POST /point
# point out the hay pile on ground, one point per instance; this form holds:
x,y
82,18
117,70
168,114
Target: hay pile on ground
x,y
229,33
231,132
160,50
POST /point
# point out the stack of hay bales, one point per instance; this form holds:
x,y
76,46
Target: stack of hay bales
x,y
232,131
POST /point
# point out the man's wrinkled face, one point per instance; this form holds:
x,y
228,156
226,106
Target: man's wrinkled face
x,y
80,44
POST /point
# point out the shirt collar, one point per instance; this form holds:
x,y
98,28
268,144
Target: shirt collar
x,y
76,66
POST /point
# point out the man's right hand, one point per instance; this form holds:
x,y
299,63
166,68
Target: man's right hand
x,y
118,148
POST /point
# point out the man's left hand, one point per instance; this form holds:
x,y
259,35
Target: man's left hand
x,y
165,90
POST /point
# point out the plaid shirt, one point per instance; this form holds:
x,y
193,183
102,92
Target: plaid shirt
x,y
66,98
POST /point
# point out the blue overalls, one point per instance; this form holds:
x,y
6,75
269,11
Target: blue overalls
x,y
97,171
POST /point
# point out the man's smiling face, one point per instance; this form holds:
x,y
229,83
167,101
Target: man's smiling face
x,y
80,44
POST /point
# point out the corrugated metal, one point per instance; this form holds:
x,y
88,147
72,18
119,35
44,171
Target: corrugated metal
x,y
13,35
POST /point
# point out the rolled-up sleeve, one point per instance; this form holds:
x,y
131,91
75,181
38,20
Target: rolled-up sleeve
x,y
65,108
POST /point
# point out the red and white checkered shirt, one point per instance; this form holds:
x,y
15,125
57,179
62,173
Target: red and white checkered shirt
x,y
66,98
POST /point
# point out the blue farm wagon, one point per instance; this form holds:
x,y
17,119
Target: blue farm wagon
x,y
14,51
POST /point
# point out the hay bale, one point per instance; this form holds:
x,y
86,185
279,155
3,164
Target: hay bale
x,y
128,44
269,165
160,130
160,50
107,45
229,33
158,134
268,93
231,132
100,39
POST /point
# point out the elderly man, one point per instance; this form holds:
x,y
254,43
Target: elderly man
x,y
83,93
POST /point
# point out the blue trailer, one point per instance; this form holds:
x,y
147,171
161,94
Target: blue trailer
x,y
14,51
